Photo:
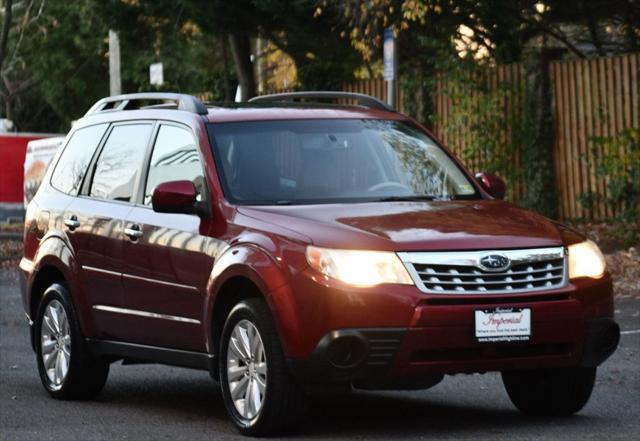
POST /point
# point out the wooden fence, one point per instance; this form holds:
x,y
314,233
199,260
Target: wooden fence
x,y
596,97
590,98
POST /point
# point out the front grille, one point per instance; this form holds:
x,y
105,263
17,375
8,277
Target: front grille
x,y
463,273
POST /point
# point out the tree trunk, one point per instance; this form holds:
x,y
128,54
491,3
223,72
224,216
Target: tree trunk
x,y
537,154
241,52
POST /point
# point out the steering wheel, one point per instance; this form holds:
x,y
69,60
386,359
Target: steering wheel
x,y
389,184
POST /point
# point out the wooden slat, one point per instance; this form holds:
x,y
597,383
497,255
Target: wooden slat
x,y
566,134
560,163
582,136
597,129
611,111
635,93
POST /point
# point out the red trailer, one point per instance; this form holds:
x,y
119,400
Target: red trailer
x,y
12,153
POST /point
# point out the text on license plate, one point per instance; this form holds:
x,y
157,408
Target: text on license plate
x,y
503,324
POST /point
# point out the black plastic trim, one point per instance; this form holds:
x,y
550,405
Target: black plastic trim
x,y
380,347
601,338
362,99
133,352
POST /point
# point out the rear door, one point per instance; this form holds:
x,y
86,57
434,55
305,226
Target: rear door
x,y
95,222
167,259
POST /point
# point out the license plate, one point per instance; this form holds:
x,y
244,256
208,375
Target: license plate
x,y
503,324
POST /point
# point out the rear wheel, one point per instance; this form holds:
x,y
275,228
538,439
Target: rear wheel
x,y
550,392
258,391
67,369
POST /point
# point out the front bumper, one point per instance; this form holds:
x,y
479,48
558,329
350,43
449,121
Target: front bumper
x,y
402,333
419,357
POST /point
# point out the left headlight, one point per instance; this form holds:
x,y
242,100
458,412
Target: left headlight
x,y
586,260
359,268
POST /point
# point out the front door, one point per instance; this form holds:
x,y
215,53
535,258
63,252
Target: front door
x,y
167,261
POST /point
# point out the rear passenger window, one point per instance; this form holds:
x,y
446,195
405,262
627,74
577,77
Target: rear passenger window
x,y
175,158
72,165
120,161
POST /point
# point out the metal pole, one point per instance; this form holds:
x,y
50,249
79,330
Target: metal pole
x,y
115,85
391,66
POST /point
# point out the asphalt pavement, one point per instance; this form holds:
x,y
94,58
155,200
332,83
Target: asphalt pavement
x,y
153,402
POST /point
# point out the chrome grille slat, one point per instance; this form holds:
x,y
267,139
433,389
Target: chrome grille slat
x,y
478,273
459,272
502,282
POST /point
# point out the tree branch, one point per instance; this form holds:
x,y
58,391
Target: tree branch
x,y
555,34
4,37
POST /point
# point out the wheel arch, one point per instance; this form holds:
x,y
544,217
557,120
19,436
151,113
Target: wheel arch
x,y
55,263
242,272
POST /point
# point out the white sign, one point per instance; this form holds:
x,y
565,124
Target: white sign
x,y
503,324
389,55
156,74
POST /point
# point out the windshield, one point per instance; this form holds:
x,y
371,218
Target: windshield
x,y
327,161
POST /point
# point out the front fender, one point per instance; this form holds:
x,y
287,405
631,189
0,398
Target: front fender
x,y
268,274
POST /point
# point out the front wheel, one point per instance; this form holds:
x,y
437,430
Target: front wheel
x,y
550,392
258,391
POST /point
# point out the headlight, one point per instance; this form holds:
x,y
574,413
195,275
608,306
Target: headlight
x,y
359,268
586,260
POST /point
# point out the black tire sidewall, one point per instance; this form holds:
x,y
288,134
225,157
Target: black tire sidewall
x,y
79,360
550,392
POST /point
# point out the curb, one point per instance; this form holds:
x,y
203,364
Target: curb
x,y
10,236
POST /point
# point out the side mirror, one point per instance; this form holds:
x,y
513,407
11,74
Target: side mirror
x,y
175,197
494,185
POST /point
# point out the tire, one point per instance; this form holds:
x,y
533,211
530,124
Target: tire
x,y
550,392
85,375
280,399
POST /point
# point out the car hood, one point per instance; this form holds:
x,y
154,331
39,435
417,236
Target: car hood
x,y
407,226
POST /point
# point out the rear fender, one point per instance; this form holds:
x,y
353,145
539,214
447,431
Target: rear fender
x,y
55,252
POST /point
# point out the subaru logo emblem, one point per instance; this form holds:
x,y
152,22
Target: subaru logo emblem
x,y
494,262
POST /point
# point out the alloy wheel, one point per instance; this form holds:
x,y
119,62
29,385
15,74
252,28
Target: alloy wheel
x,y
246,369
55,337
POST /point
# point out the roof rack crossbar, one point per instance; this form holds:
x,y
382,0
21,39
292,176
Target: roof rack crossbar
x,y
362,99
184,102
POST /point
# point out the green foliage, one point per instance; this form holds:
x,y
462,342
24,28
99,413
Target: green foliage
x,y
537,138
489,129
616,159
63,57
57,52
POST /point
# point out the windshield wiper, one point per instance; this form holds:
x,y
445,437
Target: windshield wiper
x,y
407,198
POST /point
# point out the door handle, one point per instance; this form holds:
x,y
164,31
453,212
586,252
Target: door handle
x,y
72,222
133,232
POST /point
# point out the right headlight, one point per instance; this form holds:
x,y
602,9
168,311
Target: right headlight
x,y
586,260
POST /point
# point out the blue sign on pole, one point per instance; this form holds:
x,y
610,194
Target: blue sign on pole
x,y
389,55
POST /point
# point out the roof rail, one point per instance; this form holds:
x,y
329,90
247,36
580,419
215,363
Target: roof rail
x,y
185,102
362,99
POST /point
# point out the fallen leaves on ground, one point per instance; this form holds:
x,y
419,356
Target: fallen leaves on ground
x,y
10,253
624,266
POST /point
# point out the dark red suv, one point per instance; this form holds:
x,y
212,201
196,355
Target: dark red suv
x,y
287,244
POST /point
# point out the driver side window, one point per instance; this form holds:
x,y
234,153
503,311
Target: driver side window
x,y
175,157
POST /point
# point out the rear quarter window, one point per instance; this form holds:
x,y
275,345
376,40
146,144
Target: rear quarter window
x,y
74,160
